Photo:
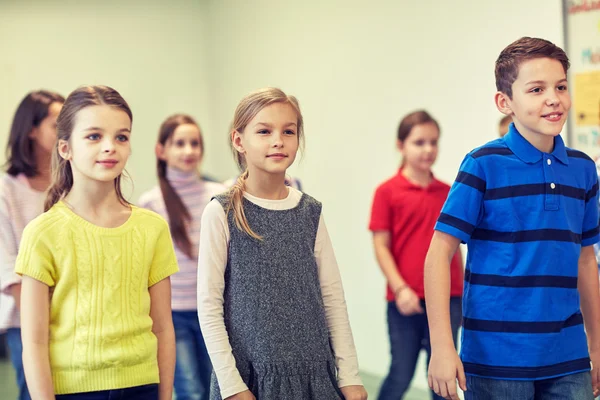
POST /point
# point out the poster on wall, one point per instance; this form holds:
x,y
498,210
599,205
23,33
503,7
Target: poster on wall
x,y
582,38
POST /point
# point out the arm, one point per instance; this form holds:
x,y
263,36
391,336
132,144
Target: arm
x,y
162,327
589,290
35,321
407,302
212,260
336,314
10,282
445,365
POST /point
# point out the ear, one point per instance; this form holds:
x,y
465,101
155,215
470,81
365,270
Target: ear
x,y
399,144
64,150
33,133
236,140
503,103
159,149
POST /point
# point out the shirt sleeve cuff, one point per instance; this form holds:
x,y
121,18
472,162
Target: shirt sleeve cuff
x,y
350,381
234,389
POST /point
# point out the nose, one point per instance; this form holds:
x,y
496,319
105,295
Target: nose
x,y
277,139
188,149
552,99
108,146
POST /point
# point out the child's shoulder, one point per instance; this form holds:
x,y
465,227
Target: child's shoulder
x,y
148,218
496,146
580,157
48,223
214,188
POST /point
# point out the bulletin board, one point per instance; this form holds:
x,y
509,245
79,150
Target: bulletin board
x,y
582,39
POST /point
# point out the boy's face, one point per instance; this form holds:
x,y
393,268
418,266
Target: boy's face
x,y
541,100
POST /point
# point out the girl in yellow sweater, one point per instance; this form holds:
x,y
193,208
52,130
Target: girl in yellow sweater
x,y
95,306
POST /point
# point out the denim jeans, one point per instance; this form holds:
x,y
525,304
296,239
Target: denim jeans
x,y
569,387
15,348
146,392
193,367
408,335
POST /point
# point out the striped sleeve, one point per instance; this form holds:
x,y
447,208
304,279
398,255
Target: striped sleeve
x,y
590,234
464,206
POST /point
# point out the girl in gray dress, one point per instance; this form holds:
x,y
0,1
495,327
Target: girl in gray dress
x,y
270,298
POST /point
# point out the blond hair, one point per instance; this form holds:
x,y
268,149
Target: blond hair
x,y
246,110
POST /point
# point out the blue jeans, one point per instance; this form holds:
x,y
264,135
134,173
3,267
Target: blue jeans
x,y
146,392
193,367
570,387
408,335
15,348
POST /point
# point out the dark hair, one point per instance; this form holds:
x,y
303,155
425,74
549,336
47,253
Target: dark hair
x,y
178,213
80,98
31,112
413,119
524,49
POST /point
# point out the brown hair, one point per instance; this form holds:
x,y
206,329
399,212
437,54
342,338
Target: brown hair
x,y
507,119
178,213
413,119
80,98
524,49
32,110
248,108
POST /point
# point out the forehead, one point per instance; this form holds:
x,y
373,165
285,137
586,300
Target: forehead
x,y
427,130
54,109
103,117
186,131
541,69
277,113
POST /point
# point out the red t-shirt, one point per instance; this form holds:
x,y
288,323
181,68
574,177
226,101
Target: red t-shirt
x,y
409,212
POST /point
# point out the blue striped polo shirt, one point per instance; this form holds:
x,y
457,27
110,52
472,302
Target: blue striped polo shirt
x,y
524,216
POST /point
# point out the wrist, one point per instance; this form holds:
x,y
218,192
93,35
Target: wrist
x,y
400,289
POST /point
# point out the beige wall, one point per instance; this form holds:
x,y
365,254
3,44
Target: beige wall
x,y
153,52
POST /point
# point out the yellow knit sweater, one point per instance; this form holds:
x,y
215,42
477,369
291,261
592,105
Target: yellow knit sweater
x,y
100,327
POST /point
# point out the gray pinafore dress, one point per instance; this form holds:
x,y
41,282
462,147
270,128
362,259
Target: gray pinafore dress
x,y
273,307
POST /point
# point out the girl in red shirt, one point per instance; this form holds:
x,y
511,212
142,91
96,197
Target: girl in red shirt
x,y
405,210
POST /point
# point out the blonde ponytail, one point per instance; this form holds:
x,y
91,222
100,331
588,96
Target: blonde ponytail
x,y
236,198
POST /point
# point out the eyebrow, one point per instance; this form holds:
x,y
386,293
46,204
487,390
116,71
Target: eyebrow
x,y
95,128
544,82
269,125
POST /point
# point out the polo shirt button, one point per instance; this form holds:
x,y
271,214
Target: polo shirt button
x,y
549,161
552,185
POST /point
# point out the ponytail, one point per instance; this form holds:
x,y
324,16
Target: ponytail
x,y
236,197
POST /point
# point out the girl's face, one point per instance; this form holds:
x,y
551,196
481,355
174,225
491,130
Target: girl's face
x,y
99,146
182,150
270,141
44,135
420,148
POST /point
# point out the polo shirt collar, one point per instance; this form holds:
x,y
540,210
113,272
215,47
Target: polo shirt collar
x,y
528,153
406,183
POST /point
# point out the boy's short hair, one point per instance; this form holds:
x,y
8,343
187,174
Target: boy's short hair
x,y
524,49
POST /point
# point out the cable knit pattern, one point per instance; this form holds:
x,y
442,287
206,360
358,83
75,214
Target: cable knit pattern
x,y
100,327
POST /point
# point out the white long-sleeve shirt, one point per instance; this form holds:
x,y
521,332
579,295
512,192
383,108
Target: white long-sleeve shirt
x,y
212,261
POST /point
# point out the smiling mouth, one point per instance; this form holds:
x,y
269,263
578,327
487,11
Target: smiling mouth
x,y
279,155
554,116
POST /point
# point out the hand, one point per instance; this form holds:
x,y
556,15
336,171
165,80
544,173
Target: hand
x,y
595,357
354,392
408,303
245,395
444,368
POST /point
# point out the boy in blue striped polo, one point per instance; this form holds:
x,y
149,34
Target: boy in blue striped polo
x,y
526,206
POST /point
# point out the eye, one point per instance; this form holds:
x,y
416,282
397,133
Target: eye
x,y
263,132
536,90
195,143
180,143
290,132
419,143
122,138
93,136
562,88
